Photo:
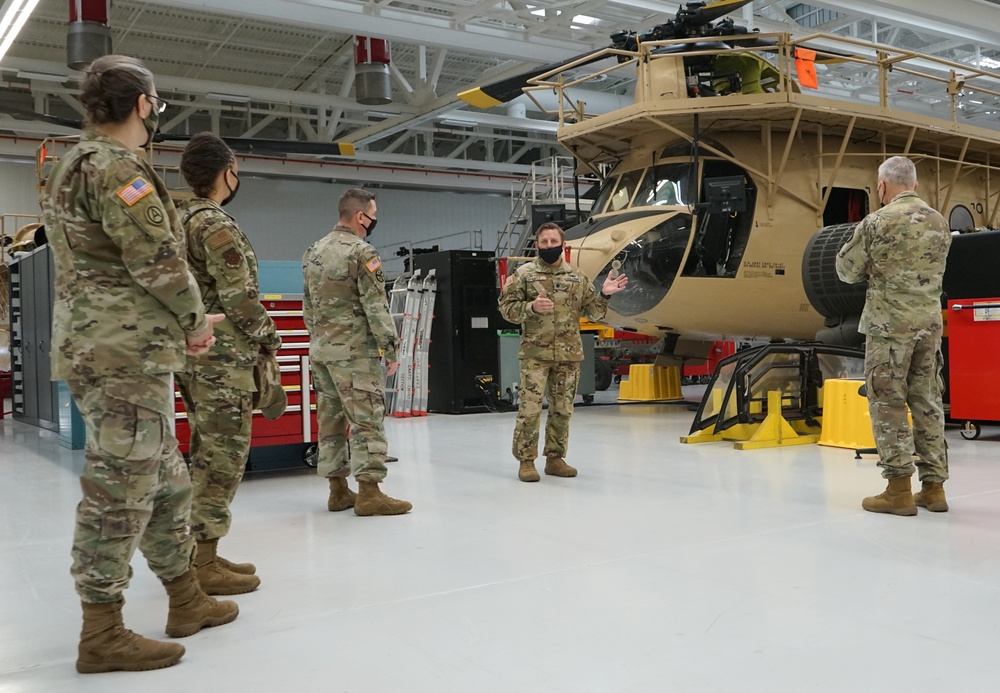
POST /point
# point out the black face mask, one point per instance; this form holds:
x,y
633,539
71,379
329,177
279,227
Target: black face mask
x,y
551,255
371,227
232,191
152,125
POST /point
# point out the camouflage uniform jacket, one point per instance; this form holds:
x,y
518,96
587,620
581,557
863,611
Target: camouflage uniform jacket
x,y
344,305
124,294
225,267
901,249
551,336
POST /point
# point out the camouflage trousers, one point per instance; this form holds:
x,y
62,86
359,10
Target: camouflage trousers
x,y
350,393
901,372
136,488
560,379
221,418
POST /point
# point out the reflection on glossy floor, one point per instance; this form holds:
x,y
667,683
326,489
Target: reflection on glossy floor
x,y
660,568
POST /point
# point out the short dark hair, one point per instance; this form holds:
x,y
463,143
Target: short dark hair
x,y
111,87
551,226
204,157
353,201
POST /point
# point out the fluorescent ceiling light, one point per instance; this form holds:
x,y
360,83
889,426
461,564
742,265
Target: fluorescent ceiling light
x,y
16,13
989,63
237,98
42,76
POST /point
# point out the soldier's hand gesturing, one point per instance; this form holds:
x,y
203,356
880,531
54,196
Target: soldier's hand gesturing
x,y
391,368
613,285
542,304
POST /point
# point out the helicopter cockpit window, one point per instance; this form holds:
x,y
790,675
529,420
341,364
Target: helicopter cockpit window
x,y
607,187
623,192
665,184
651,262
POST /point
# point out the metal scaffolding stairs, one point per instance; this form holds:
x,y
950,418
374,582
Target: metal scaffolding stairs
x,y
549,182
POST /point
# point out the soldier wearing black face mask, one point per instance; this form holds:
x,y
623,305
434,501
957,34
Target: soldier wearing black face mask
x,y
218,386
548,297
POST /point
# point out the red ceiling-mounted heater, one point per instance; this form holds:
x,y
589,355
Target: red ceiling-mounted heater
x,y
371,83
89,36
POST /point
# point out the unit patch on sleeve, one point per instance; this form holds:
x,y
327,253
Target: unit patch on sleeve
x,y
154,215
232,258
135,191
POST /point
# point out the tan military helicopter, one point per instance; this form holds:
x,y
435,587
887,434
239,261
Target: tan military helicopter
x,y
745,162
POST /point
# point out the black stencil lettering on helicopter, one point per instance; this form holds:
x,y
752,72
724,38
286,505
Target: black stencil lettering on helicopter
x,y
762,270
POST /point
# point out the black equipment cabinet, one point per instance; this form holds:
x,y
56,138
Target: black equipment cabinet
x,y
464,332
34,396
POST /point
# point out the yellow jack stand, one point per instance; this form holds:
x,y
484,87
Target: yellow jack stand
x,y
774,430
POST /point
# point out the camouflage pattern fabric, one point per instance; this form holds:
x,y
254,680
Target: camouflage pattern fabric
x,y
901,372
124,301
136,488
560,378
551,336
901,250
225,266
221,419
347,315
217,386
350,393
345,306
124,295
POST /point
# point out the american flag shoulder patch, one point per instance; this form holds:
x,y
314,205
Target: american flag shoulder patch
x,y
373,264
135,191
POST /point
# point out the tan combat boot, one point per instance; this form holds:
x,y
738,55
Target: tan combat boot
x,y
527,472
191,609
241,568
107,645
371,501
897,499
341,496
213,576
556,466
931,496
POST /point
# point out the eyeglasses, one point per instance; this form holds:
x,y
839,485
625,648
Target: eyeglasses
x,y
159,105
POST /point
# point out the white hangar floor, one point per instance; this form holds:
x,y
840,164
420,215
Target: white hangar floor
x,y
662,567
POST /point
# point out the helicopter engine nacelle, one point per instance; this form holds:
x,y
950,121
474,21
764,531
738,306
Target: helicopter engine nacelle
x,y
839,303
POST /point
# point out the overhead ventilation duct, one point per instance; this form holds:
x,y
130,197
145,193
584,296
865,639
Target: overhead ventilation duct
x,y
89,36
371,82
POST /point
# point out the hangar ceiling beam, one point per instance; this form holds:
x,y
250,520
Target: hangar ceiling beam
x,y
971,19
394,24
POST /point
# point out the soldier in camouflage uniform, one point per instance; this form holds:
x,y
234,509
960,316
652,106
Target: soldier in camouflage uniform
x,y
548,297
348,319
901,250
126,308
217,386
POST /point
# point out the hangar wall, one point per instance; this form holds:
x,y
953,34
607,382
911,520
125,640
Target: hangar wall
x,y
283,217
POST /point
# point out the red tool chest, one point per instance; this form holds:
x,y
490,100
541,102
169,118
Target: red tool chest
x,y
974,362
298,423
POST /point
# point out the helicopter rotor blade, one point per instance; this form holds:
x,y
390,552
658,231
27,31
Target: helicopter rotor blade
x,y
502,91
710,12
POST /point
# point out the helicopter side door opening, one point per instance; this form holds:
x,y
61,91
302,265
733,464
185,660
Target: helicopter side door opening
x,y
728,197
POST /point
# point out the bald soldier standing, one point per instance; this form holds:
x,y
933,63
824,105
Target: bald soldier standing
x,y
548,297
347,315
126,305
901,250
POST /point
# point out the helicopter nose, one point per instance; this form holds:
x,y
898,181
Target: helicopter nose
x,y
651,261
